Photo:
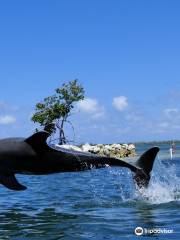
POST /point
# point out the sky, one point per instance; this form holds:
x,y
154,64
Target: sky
x,y
126,54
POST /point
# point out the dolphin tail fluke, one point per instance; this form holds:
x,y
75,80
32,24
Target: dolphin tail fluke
x,y
145,165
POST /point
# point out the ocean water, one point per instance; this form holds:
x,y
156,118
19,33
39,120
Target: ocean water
x,y
97,204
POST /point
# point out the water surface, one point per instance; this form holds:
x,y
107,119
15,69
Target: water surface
x,y
97,204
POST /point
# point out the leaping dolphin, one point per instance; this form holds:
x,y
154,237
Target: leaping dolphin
x,y
34,156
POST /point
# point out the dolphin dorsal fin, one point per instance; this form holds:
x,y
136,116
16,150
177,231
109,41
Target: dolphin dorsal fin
x,y
38,141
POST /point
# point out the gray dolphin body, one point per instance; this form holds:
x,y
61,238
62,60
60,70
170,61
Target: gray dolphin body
x,y
33,156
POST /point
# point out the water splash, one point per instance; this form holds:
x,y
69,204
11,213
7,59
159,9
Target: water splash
x,y
164,186
165,183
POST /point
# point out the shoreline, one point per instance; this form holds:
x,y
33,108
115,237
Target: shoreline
x,y
108,150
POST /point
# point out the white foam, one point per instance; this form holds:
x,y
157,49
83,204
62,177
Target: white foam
x,y
164,186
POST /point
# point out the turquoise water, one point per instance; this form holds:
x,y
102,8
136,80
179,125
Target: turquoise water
x,y
97,204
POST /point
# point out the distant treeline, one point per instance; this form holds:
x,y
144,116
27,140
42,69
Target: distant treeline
x,y
160,142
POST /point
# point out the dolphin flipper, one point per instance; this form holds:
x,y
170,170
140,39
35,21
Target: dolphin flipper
x,y
9,181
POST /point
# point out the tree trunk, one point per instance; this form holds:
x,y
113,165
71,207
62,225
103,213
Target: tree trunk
x,y
62,138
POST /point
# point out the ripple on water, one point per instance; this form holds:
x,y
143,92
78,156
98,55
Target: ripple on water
x,y
98,204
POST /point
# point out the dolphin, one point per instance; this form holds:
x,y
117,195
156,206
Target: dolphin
x,y
34,156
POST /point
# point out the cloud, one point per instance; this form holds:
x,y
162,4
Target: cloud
x,y
7,119
91,106
120,103
88,105
3,106
133,117
100,114
169,112
168,123
163,125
